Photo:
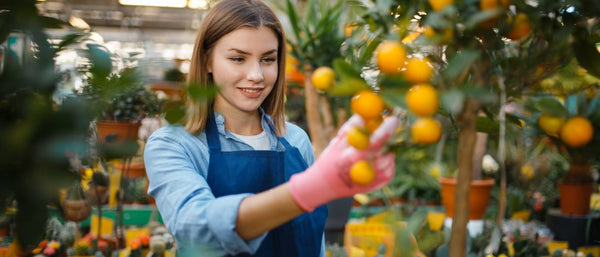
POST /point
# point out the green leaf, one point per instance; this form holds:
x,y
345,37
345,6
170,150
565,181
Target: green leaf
x,y
370,49
311,15
393,81
348,87
175,113
587,55
116,150
70,39
594,109
487,125
200,93
345,70
452,101
550,106
30,219
479,17
571,103
52,23
460,62
100,59
6,26
582,103
293,16
394,97
513,119
482,94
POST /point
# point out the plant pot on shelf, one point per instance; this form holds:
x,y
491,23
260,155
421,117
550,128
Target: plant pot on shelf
x,y
575,198
576,189
479,196
117,131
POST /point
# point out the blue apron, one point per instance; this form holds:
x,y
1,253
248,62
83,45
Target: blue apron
x,y
251,171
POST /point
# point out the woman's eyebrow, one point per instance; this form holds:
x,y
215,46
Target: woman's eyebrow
x,y
246,53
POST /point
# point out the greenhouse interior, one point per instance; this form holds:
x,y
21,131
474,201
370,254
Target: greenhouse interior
x,y
338,128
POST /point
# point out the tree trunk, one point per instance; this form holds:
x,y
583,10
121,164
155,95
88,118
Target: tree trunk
x,y
466,146
342,116
328,128
480,149
316,131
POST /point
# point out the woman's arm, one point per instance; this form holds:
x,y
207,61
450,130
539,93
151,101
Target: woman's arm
x,y
327,179
265,211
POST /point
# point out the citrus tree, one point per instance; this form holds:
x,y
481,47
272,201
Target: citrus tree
x,y
461,63
315,37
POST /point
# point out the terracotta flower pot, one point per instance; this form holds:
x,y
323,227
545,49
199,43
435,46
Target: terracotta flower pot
x,y
575,198
117,131
479,196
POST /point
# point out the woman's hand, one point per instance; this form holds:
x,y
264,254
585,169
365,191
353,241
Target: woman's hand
x,y
329,177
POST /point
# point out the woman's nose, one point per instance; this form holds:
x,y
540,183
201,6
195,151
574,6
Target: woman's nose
x,y
255,73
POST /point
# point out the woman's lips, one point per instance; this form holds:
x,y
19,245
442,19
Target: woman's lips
x,y
251,92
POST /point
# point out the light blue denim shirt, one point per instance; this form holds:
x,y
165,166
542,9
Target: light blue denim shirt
x,y
177,165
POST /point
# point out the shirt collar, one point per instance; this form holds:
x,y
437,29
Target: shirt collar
x,y
265,120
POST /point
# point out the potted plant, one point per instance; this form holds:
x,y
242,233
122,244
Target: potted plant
x,y
573,128
120,99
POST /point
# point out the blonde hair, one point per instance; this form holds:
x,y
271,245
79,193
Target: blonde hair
x,y
226,17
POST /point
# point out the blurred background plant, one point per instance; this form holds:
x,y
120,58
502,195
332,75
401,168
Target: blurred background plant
x,y
38,136
119,96
315,36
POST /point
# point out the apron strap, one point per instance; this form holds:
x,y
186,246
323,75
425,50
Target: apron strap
x,y
212,134
285,143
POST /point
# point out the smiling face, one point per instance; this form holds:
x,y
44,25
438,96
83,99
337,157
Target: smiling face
x,y
244,66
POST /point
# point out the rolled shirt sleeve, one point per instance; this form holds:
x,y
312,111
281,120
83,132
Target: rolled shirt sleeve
x,y
176,163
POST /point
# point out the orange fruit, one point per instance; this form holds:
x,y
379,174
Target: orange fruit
x,y
372,124
422,99
492,4
418,70
551,124
390,56
429,31
358,138
521,27
323,78
361,173
367,104
576,132
438,5
426,130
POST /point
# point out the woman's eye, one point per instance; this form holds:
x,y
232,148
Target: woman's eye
x,y
237,59
269,59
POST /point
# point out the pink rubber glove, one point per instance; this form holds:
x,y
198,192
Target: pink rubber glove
x,y
329,177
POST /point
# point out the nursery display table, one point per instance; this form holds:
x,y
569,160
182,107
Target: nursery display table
x,y
574,229
133,215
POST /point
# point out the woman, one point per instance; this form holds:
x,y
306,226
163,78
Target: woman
x,y
238,179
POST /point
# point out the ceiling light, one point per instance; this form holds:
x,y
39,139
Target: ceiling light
x,y
156,3
79,23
